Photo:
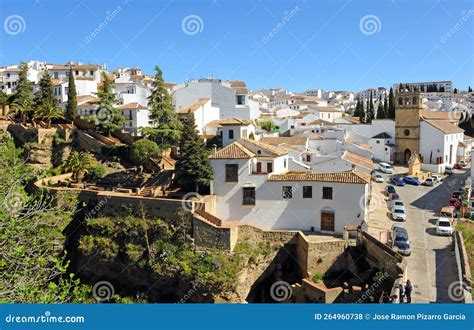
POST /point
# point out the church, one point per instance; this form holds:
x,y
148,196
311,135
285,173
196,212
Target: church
x,y
432,135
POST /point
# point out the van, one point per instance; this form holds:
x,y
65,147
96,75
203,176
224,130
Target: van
x,y
448,212
386,168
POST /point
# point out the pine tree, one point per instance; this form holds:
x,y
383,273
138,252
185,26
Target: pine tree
x,y
455,91
23,99
380,109
370,110
166,128
107,117
391,105
192,168
469,89
45,95
71,107
385,106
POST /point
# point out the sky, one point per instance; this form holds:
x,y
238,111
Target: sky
x,y
298,45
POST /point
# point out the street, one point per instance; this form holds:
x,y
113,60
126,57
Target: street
x,y
431,265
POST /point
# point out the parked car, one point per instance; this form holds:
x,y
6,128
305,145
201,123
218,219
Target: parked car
x,y
390,190
429,182
457,166
437,177
457,195
448,170
386,168
470,215
397,181
444,227
397,204
411,180
398,214
448,212
399,240
377,177
454,202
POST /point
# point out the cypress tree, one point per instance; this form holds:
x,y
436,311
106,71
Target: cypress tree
x,y
23,99
357,108
71,107
380,109
166,128
107,117
45,95
370,110
469,89
455,91
192,168
385,106
391,105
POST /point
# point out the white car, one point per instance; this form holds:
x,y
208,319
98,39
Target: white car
x,y
397,205
429,181
437,177
444,227
386,168
399,214
378,178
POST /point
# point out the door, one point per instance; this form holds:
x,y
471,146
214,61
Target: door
x,y
327,221
259,167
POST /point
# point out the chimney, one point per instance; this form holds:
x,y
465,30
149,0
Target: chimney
x,y
214,149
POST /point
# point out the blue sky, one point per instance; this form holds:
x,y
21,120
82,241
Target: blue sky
x,y
315,44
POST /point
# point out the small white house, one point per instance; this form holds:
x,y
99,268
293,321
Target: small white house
x,y
204,113
233,129
253,185
136,117
383,147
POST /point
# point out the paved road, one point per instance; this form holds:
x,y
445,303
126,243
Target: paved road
x,y
431,266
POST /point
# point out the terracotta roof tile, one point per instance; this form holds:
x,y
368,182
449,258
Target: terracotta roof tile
x,y
338,177
131,106
292,140
233,151
193,107
358,160
444,126
275,151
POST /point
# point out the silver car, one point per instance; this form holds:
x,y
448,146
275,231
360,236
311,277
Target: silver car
x,y
398,214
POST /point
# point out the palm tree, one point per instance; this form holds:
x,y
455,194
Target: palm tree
x,y
48,112
23,108
78,163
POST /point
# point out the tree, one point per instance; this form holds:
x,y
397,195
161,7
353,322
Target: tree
x,y
362,112
357,108
391,105
31,231
469,89
107,117
23,100
380,109
385,106
47,112
455,91
79,164
71,107
3,98
45,94
142,150
166,127
251,136
267,125
370,110
192,167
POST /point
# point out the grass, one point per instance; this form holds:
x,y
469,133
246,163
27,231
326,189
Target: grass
x,y
317,278
467,230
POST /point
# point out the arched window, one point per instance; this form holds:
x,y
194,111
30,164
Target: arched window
x,y
400,101
415,100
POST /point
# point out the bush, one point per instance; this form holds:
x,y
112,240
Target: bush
x,y
267,125
142,150
317,278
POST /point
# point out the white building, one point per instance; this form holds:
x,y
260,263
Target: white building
x,y
204,113
233,129
136,116
254,186
383,147
230,96
427,86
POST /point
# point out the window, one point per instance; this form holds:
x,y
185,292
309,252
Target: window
x,y
378,141
248,196
284,163
240,99
231,173
56,75
77,72
231,134
406,132
269,167
287,192
307,192
91,73
244,133
308,157
327,192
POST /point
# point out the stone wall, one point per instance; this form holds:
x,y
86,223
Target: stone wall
x,y
462,265
319,257
315,292
207,235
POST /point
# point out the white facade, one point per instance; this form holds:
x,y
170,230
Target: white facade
x,y
383,147
232,102
230,133
281,205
